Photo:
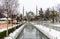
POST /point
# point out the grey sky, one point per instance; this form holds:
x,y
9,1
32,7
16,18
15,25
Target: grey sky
x,y
31,4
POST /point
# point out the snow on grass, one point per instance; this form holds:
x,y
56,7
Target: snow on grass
x,y
50,33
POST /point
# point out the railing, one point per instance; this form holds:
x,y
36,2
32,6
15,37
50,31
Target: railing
x,y
15,33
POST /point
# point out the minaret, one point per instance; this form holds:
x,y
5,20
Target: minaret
x,y
23,10
36,10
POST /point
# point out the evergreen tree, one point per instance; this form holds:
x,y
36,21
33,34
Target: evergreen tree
x,y
47,14
41,14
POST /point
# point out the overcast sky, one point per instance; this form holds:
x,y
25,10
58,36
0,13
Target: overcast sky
x,y
30,5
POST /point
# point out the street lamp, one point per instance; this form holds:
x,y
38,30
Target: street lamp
x,y
7,27
7,7
7,22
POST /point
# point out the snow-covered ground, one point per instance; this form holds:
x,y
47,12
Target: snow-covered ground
x,y
55,26
51,33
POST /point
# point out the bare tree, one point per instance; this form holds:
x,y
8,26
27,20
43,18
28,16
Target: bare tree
x,y
10,7
1,9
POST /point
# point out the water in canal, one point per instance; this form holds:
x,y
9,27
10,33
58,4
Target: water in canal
x,y
29,32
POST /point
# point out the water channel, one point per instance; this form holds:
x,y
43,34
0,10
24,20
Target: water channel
x,y
30,32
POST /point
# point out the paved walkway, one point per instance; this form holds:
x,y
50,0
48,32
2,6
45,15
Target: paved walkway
x,y
4,25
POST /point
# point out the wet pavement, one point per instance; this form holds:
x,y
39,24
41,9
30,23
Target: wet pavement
x,y
29,32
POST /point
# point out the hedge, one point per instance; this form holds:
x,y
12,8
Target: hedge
x,y
3,34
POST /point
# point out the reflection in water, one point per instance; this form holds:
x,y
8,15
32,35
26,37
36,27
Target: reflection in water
x,y
29,32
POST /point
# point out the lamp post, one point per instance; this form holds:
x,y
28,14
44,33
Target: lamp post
x,y
27,16
23,10
7,6
7,23
36,10
7,27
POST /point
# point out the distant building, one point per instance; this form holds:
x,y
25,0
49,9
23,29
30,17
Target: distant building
x,y
30,15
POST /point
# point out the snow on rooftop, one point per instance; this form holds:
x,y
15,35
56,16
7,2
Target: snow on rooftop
x,y
5,18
